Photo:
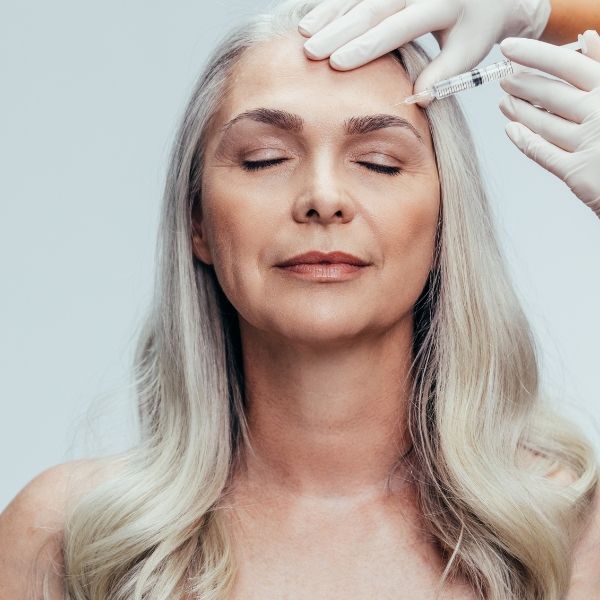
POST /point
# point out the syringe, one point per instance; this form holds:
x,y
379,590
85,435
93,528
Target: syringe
x,y
473,78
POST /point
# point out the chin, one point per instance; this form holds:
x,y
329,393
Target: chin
x,y
318,331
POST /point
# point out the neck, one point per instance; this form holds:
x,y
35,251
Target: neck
x,y
329,420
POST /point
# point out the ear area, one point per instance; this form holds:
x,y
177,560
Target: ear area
x,y
199,245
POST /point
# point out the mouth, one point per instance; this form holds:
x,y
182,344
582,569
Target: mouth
x,y
323,271
316,257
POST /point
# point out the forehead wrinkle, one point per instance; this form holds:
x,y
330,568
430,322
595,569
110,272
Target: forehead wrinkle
x,y
356,125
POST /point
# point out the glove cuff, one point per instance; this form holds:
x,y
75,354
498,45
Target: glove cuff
x,y
529,19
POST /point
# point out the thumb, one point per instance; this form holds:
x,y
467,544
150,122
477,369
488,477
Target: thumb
x,y
592,44
454,59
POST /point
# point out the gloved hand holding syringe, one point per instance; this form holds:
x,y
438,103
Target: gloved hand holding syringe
x,y
555,115
555,122
475,77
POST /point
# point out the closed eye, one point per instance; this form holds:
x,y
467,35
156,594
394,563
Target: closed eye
x,y
255,165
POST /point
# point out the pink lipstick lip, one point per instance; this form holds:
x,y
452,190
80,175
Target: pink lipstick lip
x,y
324,272
316,256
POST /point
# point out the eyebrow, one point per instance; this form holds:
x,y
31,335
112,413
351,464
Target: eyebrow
x,y
353,126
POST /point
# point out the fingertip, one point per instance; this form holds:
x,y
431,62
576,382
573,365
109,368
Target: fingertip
x,y
421,96
303,31
508,44
306,26
590,44
511,133
515,131
419,88
506,106
310,51
337,63
339,60
511,47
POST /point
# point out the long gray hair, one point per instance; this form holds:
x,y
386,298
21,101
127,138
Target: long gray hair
x,y
156,530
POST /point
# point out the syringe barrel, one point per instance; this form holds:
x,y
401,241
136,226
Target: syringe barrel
x,y
472,79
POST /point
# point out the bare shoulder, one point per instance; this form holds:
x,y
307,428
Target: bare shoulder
x,y
31,526
585,579
585,575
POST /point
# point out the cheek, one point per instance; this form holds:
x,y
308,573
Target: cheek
x,y
236,215
236,228
409,234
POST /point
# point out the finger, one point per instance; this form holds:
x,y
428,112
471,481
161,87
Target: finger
x,y
555,96
324,13
592,43
575,68
354,23
556,130
393,32
553,159
456,57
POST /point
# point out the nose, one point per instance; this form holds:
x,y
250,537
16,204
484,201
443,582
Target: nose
x,y
324,197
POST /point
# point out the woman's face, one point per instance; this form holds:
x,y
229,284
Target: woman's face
x,y
323,193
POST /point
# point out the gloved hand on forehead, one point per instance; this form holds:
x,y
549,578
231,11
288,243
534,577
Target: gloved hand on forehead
x,y
354,32
556,122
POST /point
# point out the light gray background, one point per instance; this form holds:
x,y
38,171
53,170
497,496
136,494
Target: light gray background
x,y
90,97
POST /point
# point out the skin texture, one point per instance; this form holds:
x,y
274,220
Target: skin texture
x,y
568,18
325,363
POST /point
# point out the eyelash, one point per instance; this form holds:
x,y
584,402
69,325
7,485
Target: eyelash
x,y
255,165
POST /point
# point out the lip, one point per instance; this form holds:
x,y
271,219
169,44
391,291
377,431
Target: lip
x,y
315,256
324,272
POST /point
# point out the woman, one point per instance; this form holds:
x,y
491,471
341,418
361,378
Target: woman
x,y
375,430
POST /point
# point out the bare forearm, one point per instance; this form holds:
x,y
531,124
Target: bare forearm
x,y
570,17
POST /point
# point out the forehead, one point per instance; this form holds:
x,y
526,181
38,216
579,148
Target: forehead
x,y
277,73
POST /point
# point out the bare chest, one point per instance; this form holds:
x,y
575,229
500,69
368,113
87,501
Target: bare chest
x,y
327,576
373,549
323,559
307,555
324,570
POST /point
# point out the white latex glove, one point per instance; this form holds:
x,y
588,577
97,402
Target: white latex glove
x,y
354,32
563,136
